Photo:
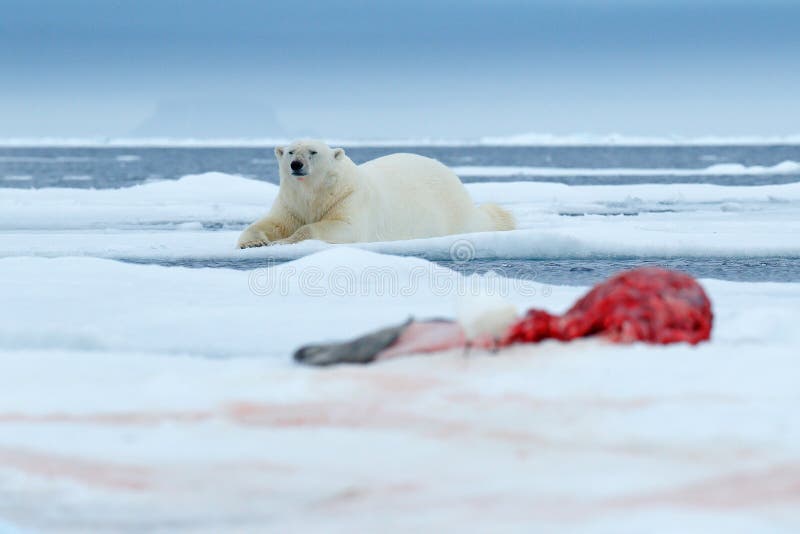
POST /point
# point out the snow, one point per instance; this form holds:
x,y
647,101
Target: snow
x,y
148,398
140,397
127,158
540,139
555,221
720,169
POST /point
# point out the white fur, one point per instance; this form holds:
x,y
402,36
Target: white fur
x,y
400,196
484,315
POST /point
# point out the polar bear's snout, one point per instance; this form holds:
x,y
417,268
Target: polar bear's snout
x,y
297,168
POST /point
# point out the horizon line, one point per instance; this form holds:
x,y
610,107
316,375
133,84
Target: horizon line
x,y
521,140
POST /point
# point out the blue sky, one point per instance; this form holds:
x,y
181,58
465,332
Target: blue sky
x,y
400,69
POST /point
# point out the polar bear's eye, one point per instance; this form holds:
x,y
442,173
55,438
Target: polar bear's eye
x,y
291,152
313,152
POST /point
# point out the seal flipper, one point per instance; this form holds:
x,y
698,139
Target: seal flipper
x,y
363,349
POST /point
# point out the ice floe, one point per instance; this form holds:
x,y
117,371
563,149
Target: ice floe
x,y
141,396
554,221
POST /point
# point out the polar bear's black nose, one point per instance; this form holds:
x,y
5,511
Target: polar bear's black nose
x,y
297,165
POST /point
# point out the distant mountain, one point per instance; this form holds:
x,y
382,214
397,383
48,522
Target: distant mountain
x,y
210,117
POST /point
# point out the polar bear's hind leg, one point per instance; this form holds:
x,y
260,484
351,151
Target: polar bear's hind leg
x,y
499,218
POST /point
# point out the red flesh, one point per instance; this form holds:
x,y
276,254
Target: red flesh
x,y
648,304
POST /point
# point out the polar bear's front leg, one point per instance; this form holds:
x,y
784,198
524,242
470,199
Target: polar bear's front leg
x,y
252,236
330,231
266,231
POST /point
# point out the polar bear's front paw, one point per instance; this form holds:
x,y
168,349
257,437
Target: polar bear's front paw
x,y
254,243
252,237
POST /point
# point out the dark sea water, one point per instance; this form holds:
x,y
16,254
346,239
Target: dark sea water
x,y
121,166
126,166
576,272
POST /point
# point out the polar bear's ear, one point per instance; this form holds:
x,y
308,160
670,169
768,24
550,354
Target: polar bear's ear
x,y
338,153
279,151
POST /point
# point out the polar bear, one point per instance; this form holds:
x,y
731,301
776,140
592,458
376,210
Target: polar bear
x,y
324,195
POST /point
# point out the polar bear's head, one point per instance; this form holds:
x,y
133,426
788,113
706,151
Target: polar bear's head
x,y
307,159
